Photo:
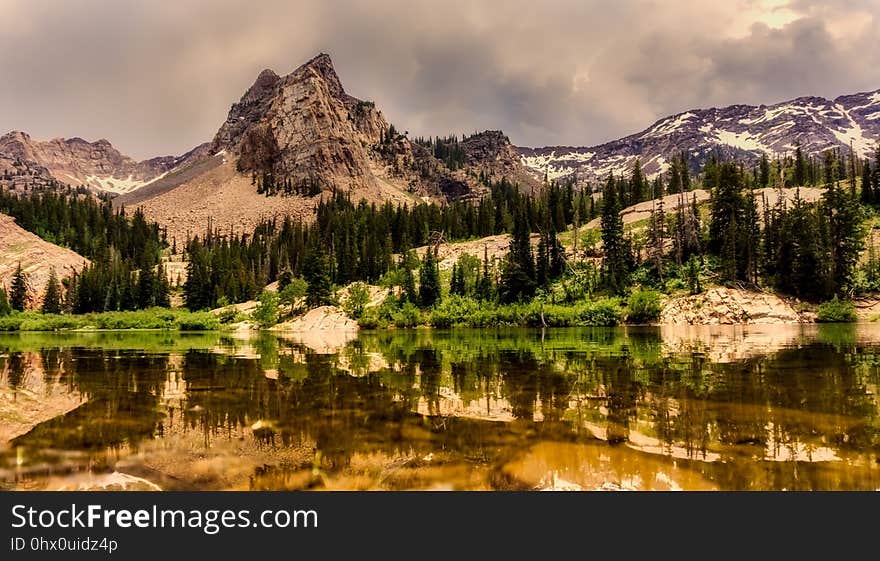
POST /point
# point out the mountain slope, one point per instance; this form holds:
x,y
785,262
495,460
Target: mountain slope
x,y
96,165
741,131
37,257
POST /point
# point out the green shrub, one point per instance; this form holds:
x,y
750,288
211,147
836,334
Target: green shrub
x,y
49,322
454,310
370,319
266,314
643,306
228,314
407,316
198,321
601,313
358,298
11,322
836,311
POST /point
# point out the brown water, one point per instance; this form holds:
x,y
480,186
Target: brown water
x,y
672,408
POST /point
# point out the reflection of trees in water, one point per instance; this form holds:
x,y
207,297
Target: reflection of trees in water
x,y
815,395
123,390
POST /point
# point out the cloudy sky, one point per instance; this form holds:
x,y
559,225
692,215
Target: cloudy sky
x,y
157,77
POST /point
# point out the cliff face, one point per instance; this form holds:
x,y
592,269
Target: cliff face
x,y
303,128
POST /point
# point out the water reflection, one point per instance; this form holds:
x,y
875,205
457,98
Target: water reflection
x,y
720,408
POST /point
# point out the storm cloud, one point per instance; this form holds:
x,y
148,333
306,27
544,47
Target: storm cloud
x,y
158,77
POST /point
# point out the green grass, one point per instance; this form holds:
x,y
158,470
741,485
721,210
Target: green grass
x,y
457,311
154,318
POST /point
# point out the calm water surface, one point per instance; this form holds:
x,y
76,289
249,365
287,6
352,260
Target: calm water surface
x,y
673,408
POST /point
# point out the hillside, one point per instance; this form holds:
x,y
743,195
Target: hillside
x,y
737,131
37,258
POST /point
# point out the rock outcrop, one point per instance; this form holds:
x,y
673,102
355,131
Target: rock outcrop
x,y
728,306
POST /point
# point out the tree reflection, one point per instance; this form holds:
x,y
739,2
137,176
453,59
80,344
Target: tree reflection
x,y
766,419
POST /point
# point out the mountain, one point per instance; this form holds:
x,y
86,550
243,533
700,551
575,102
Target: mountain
x,y
96,165
742,131
293,137
305,129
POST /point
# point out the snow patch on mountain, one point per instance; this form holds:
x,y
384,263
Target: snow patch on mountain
x,y
114,184
814,124
744,140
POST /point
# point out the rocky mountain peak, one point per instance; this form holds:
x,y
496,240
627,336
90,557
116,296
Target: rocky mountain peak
x,y
303,128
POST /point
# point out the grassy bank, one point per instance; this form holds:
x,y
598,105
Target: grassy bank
x,y
153,318
457,311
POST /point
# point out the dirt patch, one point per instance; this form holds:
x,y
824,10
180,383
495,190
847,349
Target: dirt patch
x,y
495,247
642,211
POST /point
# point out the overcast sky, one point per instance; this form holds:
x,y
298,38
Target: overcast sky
x,y
158,76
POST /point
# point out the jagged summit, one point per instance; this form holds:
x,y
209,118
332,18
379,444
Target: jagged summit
x,y
304,129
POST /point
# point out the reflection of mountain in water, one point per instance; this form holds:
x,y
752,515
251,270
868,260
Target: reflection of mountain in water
x,y
571,409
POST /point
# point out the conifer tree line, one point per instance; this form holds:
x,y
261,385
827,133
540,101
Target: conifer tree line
x,y
124,250
447,149
807,249
350,241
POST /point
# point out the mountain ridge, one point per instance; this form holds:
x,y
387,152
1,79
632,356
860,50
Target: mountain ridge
x,y
740,130
97,165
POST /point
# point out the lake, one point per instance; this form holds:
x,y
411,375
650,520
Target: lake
x,y
677,407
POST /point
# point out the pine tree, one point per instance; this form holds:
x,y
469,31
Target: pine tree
x,y
18,294
800,167
685,172
162,294
456,282
674,178
484,289
316,272
146,288
617,260
751,239
868,197
197,289
845,231
875,182
542,264
52,296
429,280
657,237
518,271
637,183
764,171
727,209
5,308
556,254
409,285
